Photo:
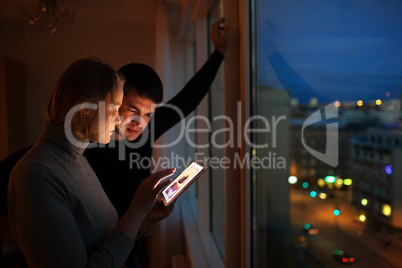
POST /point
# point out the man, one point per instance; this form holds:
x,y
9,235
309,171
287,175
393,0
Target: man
x,y
142,91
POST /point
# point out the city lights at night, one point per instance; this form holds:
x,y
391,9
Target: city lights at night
x,y
292,180
321,182
330,179
388,169
347,182
356,203
337,212
386,210
323,195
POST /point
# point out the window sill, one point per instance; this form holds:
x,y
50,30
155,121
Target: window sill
x,y
201,249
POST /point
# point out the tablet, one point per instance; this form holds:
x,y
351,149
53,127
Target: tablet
x,y
182,181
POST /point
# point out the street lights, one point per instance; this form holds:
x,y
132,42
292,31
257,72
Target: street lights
x,y
336,213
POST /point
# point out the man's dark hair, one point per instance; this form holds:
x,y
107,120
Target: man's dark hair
x,y
144,80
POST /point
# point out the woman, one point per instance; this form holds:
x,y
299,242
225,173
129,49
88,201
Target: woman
x,y
58,211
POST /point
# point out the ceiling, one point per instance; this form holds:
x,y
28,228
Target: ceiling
x,y
92,11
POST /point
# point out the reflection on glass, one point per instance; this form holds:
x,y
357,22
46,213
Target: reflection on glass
x,y
338,66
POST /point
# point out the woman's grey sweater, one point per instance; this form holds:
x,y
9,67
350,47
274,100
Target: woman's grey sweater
x,y
58,211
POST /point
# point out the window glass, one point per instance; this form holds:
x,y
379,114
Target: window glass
x,y
327,78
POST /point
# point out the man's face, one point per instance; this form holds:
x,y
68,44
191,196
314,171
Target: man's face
x,y
136,112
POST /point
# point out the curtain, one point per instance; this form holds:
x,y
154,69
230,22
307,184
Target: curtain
x,y
166,238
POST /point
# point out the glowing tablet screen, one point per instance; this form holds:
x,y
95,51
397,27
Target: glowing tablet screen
x,y
181,182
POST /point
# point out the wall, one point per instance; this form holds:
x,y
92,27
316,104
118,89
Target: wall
x,y
12,114
46,57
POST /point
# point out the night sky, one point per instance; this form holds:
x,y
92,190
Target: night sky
x,y
331,49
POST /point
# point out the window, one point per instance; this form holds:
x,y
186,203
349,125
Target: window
x,y
322,63
337,65
213,231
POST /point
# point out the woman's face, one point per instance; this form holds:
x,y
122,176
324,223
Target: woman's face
x,y
106,124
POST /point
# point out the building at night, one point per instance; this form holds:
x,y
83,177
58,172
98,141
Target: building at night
x,y
305,166
352,120
376,172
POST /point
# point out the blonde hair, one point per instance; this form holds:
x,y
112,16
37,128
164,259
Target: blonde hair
x,y
84,81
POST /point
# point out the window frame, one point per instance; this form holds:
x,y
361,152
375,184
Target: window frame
x,y
202,249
